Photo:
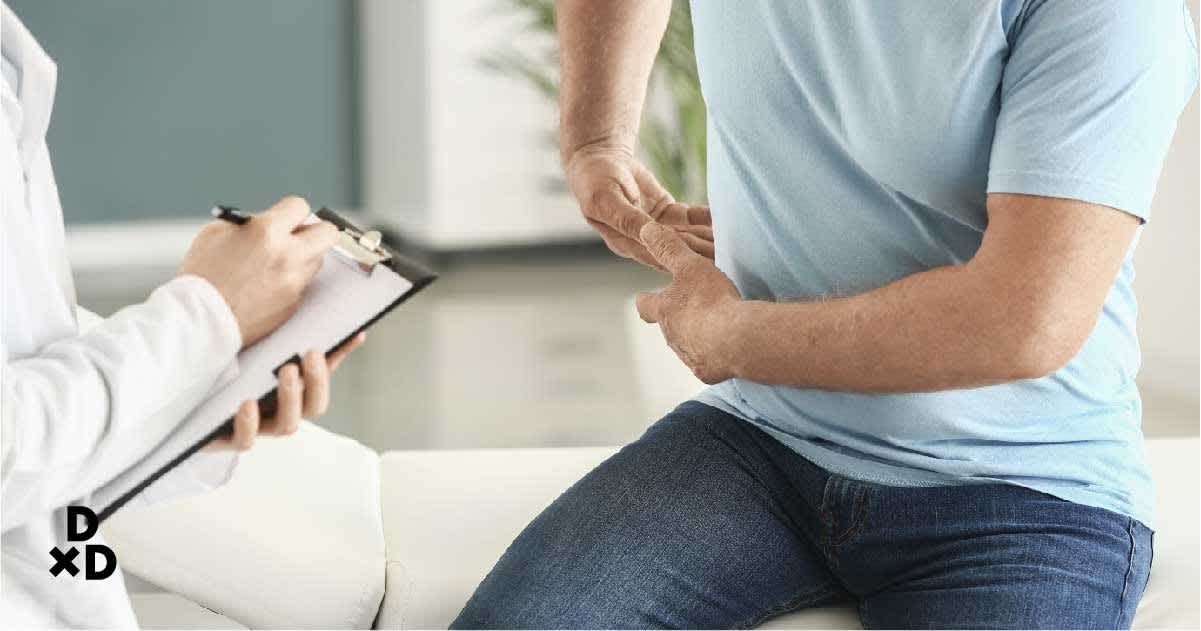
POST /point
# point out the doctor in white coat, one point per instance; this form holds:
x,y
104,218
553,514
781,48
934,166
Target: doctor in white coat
x,y
81,395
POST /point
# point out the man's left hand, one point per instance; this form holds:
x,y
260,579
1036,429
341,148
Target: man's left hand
x,y
696,311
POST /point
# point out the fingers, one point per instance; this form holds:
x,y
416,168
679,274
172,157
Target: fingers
x,y
652,195
611,207
289,401
335,359
315,373
668,247
246,426
701,246
681,215
286,214
624,246
316,238
648,303
704,232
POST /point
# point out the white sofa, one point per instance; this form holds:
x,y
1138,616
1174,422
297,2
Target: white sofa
x,y
317,531
356,540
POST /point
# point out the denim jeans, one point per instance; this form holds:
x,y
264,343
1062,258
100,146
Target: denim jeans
x,y
707,522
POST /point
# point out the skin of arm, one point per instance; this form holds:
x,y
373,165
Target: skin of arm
x,y
607,50
1021,308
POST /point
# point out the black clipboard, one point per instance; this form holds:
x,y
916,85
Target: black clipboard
x,y
357,248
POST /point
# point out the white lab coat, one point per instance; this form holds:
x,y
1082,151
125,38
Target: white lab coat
x,y
80,406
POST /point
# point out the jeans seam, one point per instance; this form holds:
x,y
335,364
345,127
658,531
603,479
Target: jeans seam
x,y
1129,572
858,518
791,604
827,518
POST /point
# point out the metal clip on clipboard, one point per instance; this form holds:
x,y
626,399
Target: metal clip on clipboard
x,y
360,248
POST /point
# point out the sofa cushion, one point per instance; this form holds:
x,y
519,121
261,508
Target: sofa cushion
x,y
449,515
293,540
1170,600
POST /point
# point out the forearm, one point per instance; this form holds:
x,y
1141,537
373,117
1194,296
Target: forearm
x,y
946,328
83,409
607,50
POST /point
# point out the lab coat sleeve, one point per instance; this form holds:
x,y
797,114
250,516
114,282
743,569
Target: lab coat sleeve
x,y
204,471
82,409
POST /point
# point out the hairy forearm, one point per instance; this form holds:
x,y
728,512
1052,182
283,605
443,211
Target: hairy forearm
x,y
946,328
607,49
1021,308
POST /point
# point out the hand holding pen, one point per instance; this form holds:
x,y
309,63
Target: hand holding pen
x,y
261,266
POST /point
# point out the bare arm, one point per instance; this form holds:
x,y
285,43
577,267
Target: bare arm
x,y
607,50
1021,308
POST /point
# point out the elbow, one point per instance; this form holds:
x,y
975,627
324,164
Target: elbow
x,y
1043,347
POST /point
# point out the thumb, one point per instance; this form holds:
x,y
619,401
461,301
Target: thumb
x,y
668,248
648,306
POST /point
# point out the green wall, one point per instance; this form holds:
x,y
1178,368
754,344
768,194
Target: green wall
x,y
167,106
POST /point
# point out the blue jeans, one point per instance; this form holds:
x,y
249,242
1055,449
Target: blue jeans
x,y
707,522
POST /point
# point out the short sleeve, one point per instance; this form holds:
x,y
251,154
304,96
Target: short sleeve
x,y
1089,100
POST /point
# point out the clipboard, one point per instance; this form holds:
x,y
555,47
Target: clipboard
x,y
360,281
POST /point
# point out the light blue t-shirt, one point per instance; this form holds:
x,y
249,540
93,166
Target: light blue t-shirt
x,y
853,143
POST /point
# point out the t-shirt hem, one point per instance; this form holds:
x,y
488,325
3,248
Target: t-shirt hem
x,y
866,471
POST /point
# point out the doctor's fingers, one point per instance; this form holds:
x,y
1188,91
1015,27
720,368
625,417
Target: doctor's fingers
x,y
312,242
289,402
286,214
246,426
315,373
316,238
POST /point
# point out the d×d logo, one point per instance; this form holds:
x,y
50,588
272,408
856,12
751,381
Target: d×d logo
x,y
64,560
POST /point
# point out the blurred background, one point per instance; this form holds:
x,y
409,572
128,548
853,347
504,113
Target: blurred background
x,y
435,121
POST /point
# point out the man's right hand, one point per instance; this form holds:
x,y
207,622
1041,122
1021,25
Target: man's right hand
x,y
618,195
261,268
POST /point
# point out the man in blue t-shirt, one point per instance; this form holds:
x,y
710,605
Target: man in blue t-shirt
x,y
913,300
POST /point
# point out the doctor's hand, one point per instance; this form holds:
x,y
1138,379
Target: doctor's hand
x,y
302,393
618,196
696,311
261,268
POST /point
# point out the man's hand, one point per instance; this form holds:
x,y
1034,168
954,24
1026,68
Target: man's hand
x,y
696,310
261,268
302,393
618,196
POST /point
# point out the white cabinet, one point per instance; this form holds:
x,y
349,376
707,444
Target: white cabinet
x,y
453,155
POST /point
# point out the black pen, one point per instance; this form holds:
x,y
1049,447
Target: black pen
x,y
230,214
